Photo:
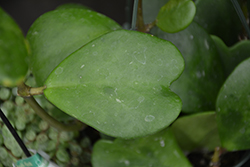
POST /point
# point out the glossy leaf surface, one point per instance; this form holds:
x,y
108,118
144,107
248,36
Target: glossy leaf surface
x,y
160,149
197,131
119,83
213,15
176,15
233,108
58,33
232,56
202,78
13,52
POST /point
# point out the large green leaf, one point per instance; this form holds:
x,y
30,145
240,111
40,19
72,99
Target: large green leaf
x,y
176,15
197,131
151,9
13,52
119,83
233,109
202,78
232,56
219,18
159,150
58,33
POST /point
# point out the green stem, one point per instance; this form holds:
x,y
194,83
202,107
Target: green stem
x,y
52,121
134,17
215,161
27,93
149,26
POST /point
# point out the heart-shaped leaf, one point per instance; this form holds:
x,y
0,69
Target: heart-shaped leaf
x,y
119,83
214,16
202,78
176,15
13,52
58,33
197,131
151,10
233,108
160,150
232,56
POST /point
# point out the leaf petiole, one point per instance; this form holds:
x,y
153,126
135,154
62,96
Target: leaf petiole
x,y
26,91
52,121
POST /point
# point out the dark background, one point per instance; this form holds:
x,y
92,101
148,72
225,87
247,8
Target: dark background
x,y
25,12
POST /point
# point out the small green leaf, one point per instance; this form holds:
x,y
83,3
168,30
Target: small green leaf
x,y
151,10
58,33
119,83
13,52
203,76
197,131
232,56
233,108
213,16
176,15
160,150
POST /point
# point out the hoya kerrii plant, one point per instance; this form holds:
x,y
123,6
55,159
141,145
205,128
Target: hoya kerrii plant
x,y
168,85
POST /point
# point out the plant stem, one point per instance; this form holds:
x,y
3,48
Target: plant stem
x,y
215,161
149,26
134,16
52,121
137,18
140,22
27,93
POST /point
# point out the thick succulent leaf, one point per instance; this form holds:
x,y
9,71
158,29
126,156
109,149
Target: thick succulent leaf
x,y
176,15
58,33
202,78
159,150
72,5
13,52
232,56
119,83
233,108
219,18
151,9
197,131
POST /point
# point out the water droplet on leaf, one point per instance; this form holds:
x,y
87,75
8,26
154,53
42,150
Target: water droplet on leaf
x,y
149,118
206,44
126,162
59,70
162,143
118,100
